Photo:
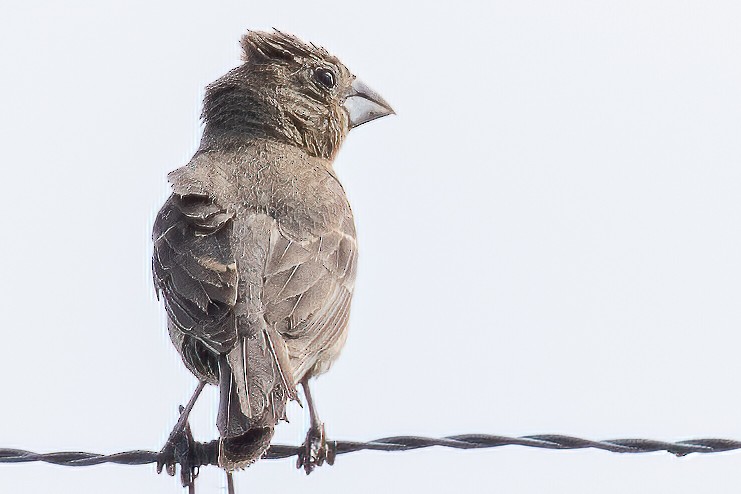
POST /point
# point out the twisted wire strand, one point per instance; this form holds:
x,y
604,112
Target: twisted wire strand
x,y
207,453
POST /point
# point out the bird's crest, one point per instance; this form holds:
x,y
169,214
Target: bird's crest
x,y
267,46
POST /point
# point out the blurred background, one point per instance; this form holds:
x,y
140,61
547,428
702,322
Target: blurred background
x,y
550,235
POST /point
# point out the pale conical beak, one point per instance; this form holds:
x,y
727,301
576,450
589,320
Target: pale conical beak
x,y
363,104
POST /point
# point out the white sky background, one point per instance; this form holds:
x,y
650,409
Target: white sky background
x,y
550,235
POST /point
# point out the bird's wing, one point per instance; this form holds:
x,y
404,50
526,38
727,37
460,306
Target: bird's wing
x,y
307,292
194,268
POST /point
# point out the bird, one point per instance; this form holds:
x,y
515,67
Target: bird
x,y
255,250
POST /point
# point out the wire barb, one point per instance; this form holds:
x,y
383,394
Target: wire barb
x,y
207,453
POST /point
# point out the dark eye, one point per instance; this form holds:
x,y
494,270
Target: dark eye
x,y
325,77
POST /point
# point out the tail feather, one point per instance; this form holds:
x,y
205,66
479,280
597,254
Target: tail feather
x,y
241,451
234,410
253,394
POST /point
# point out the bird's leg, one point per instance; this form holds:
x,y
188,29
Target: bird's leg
x,y
229,483
179,445
315,450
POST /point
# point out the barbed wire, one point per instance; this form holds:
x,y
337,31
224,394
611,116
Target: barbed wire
x,y
190,455
207,453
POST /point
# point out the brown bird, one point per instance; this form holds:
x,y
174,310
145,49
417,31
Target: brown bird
x,y
255,250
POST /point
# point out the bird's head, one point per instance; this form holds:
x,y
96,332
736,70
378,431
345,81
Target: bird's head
x,y
290,91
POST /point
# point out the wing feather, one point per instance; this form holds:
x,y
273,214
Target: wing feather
x,y
195,270
307,292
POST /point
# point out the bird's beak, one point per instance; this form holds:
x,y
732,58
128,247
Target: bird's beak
x,y
363,104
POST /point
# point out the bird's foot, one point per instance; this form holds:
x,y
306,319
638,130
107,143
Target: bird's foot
x,y
180,449
315,450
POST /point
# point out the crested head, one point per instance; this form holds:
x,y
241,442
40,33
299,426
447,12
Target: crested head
x,y
285,90
289,91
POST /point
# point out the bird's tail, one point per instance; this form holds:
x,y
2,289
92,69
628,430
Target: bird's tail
x,y
243,450
253,395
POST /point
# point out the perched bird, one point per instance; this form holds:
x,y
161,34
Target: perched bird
x,y
255,250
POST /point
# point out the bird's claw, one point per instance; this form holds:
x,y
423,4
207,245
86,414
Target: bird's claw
x,y
315,450
179,450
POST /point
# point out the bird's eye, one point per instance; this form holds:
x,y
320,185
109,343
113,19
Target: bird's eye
x,y
325,77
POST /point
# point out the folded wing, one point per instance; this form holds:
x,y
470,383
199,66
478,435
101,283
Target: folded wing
x,y
307,293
